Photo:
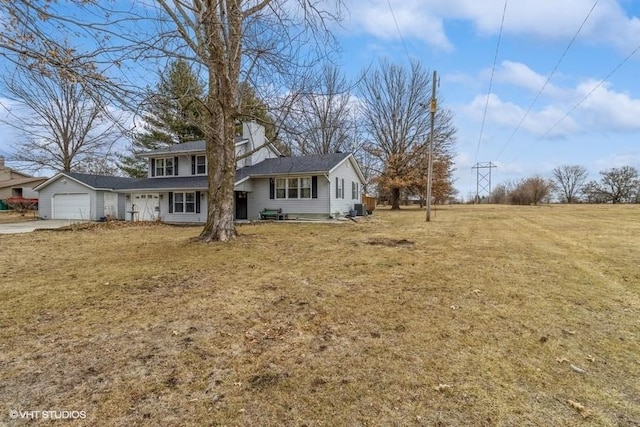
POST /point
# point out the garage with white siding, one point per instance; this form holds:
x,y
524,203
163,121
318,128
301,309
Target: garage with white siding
x,y
82,197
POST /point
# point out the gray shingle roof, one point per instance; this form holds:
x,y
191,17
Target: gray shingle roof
x,y
102,181
170,183
293,165
185,147
279,166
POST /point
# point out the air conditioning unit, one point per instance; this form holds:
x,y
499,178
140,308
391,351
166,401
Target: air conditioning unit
x,y
360,210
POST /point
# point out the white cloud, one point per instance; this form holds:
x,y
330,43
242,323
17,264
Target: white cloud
x,y
520,75
545,19
414,21
606,109
618,160
509,115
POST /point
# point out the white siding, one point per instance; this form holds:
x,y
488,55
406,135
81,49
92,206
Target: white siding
x,y
165,216
347,172
184,165
143,205
64,185
122,206
259,199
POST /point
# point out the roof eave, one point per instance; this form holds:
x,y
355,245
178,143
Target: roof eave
x,y
62,174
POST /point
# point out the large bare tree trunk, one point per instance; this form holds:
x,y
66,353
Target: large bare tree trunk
x,y
219,225
395,198
224,34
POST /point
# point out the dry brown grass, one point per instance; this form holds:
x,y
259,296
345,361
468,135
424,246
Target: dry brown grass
x,y
473,319
13,216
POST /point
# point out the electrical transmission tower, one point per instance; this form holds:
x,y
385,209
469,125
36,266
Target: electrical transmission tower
x,y
483,180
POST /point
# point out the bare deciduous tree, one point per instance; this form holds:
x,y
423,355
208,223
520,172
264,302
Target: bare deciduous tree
x,y
321,119
61,124
531,191
569,180
617,185
253,41
395,114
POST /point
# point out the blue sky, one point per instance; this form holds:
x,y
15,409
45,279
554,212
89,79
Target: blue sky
x,y
588,113
458,39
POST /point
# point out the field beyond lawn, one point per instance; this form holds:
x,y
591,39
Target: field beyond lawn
x,y
487,316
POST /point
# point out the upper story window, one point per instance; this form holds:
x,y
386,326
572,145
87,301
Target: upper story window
x,y
167,166
199,165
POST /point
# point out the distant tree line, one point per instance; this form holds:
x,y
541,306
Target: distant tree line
x,y
569,184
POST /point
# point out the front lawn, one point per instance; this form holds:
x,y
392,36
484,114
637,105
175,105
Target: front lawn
x,y
488,315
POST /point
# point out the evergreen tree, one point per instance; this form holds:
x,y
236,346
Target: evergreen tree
x,y
173,115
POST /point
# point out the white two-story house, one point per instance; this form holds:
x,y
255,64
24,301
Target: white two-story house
x,y
175,191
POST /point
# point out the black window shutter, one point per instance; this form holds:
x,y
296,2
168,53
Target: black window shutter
x,y
342,192
193,165
170,202
153,167
197,202
175,166
314,187
337,189
272,189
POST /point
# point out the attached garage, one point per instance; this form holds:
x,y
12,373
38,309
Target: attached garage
x,y
82,197
71,206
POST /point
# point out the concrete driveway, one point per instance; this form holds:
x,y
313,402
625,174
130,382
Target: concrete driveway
x,y
29,226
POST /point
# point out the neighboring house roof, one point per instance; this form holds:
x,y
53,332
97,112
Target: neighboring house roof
x,y
19,182
318,163
95,182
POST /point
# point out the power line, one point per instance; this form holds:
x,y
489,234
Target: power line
x,y
493,70
584,98
555,68
398,29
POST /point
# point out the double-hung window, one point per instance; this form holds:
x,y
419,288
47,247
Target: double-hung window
x,y
305,188
199,165
339,188
184,202
293,188
164,167
281,188
355,187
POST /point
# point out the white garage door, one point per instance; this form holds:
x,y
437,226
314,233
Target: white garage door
x,y
71,206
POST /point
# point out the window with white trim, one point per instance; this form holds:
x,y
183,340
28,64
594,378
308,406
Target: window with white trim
x,y
281,188
305,187
184,202
164,166
293,188
201,165
339,188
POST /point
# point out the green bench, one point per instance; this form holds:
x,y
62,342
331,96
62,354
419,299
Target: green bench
x,y
275,214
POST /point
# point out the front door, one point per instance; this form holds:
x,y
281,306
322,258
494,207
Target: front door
x,y
241,205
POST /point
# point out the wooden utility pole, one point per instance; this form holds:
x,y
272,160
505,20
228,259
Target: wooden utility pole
x,y
432,108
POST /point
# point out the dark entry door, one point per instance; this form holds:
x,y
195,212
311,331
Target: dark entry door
x,y
241,205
